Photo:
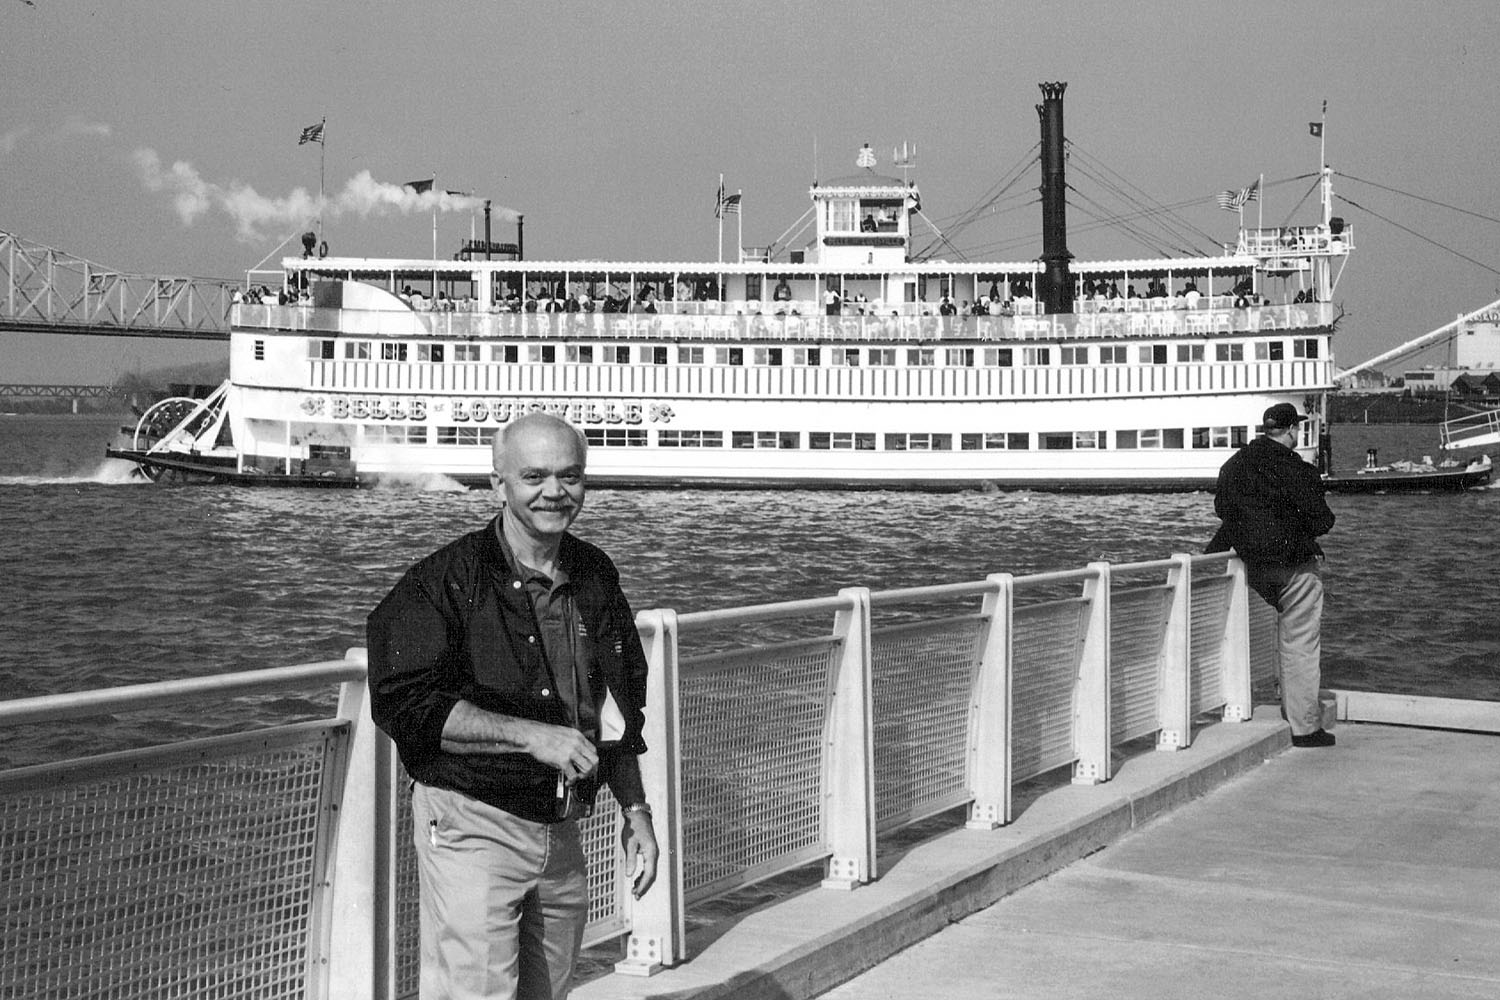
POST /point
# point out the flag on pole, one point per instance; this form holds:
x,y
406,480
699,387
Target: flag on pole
x,y
1231,201
731,204
719,201
312,133
1315,128
419,187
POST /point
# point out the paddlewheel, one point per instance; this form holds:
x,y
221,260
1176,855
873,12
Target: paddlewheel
x,y
176,423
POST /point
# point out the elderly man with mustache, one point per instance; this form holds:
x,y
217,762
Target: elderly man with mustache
x,y
508,671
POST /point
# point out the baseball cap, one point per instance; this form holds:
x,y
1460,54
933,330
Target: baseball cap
x,y
1281,416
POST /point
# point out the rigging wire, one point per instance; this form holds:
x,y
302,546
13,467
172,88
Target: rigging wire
x,y
1141,200
1430,201
1427,239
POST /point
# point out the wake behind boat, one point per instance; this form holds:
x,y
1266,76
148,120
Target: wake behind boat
x,y
852,362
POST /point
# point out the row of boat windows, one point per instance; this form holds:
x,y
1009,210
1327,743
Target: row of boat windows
x,y
640,437
810,357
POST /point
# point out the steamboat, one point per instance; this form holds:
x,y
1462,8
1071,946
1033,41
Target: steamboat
x,y
852,362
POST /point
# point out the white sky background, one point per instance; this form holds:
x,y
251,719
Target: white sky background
x,y
608,126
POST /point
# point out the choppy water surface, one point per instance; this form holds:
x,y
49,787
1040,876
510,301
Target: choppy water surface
x,y
109,581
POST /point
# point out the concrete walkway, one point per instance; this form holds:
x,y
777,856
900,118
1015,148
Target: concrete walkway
x,y
1371,869
1368,870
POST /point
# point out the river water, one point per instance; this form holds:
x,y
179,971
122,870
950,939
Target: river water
x,y
110,581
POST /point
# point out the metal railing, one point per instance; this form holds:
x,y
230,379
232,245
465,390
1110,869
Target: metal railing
x,y
814,329
49,291
278,862
1471,431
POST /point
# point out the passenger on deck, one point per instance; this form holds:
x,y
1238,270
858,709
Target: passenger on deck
x,y
1155,289
782,292
867,224
571,304
1190,295
831,302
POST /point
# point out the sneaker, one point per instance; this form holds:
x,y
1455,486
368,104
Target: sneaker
x,y
1320,738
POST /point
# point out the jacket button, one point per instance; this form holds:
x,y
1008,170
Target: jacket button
x,y
546,692
531,639
515,584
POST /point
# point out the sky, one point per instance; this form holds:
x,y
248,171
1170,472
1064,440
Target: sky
x,y
162,138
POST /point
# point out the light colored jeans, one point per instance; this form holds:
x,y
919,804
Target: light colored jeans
x,y
1299,628
504,900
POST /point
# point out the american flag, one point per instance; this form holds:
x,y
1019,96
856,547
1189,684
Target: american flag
x,y
1231,201
731,204
313,133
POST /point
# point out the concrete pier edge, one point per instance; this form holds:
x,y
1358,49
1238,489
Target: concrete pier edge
x,y
800,946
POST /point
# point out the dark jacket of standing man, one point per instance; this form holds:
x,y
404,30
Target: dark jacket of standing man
x,y
1273,512
507,669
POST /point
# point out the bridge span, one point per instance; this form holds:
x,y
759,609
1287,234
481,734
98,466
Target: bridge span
x,y
45,290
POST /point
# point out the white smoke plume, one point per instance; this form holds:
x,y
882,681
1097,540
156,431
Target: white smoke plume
x,y
256,215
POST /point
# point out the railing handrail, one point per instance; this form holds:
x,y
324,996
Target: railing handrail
x,y
132,697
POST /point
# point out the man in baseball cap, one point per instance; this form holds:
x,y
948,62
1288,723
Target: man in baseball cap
x,y
1272,508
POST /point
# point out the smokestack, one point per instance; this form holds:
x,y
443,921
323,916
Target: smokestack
x,y
520,237
486,229
1057,281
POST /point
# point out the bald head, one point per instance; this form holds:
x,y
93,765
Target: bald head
x,y
534,428
539,462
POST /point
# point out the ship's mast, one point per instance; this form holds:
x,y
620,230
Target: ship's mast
x,y
1056,292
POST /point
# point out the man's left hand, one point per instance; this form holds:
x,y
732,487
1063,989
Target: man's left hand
x,y
639,841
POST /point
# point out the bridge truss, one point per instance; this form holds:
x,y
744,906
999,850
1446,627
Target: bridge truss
x,y
44,290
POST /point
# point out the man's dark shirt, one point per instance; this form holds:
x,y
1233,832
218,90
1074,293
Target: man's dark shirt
x,y
459,626
1272,506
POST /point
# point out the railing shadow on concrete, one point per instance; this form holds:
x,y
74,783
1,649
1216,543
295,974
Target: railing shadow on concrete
x,y
278,862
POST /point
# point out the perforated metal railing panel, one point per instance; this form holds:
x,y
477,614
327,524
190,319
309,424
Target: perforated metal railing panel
x,y
922,686
600,834
752,761
1138,620
1046,647
1265,643
1209,614
184,871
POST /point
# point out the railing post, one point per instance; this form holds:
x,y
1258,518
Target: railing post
x,y
849,795
360,959
1234,653
1091,701
989,711
658,923
1173,707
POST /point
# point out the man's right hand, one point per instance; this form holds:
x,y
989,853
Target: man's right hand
x,y
471,729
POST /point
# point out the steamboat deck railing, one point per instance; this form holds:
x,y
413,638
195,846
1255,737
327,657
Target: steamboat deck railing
x,y
277,862
740,324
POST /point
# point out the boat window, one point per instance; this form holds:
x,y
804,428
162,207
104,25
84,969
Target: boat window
x,y
1001,357
842,217
545,353
690,355
920,357
260,350
615,437
1088,439
846,356
960,357
1305,347
768,356
1189,352
1153,354
1113,354
658,354
320,350
509,353
1229,352
429,352
357,350
1270,350
1075,355
879,215
581,353
465,352
1171,437
1055,441
392,352
1037,355
812,357
882,356
690,439
1125,440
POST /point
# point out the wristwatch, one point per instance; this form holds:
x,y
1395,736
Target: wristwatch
x,y
638,807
